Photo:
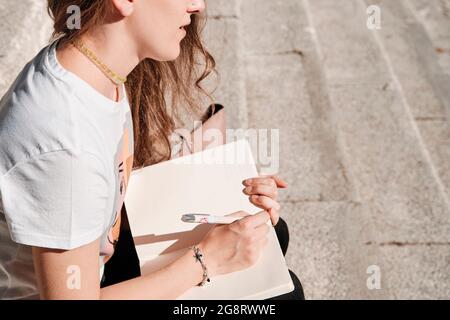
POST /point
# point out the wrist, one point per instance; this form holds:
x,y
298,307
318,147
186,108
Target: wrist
x,y
194,271
208,259
198,256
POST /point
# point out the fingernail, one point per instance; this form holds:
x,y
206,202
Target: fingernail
x,y
248,189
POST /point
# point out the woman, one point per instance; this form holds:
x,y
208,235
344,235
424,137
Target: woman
x,y
85,111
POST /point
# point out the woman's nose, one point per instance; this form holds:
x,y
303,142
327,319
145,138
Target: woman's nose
x,y
196,6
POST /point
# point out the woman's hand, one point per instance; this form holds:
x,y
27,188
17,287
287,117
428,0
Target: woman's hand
x,y
232,247
263,193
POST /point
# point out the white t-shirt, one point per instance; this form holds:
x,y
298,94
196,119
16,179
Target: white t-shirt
x,y
66,153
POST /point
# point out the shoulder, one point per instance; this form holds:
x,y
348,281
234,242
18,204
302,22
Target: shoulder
x,y
35,114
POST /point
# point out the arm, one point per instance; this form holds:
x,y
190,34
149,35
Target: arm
x,y
55,282
227,248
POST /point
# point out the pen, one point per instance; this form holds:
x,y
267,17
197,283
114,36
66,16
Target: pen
x,y
208,218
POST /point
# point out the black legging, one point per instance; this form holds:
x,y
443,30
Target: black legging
x,y
282,231
124,264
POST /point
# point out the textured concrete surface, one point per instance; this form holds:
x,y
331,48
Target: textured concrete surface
x,y
223,30
313,168
364,129
328,249
24,28
380,117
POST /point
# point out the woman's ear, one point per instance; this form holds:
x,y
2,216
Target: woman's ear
x,y
125,7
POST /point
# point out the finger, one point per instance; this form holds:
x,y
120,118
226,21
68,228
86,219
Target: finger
x,y
274,216
261,190
264,202
236,224
238,214
255,220
280,182
259,180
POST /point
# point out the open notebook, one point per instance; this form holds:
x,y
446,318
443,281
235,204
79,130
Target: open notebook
x,y
204,182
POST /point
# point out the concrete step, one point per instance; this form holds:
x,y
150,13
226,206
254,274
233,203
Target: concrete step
x,y
284,93
25,29
287,89
416,66
407,206
331,248
390,164
435,18
327,249
224,39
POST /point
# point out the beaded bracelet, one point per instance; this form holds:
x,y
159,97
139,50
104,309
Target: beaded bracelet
x,y
199,257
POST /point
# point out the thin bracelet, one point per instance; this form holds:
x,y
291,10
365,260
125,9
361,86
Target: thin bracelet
x,y
199,257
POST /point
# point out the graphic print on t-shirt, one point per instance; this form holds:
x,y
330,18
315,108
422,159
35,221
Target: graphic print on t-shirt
x,y
124,165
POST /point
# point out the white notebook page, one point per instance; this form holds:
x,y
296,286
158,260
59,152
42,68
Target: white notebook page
x,y
204,182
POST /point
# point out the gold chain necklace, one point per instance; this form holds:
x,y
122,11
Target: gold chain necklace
x,y
114,77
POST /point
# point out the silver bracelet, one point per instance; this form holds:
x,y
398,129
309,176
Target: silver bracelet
x,y
199,257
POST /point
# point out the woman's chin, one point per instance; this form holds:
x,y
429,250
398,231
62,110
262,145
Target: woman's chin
x,y
175,54
170,55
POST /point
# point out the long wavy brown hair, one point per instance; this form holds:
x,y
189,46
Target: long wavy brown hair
x,y
151,83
